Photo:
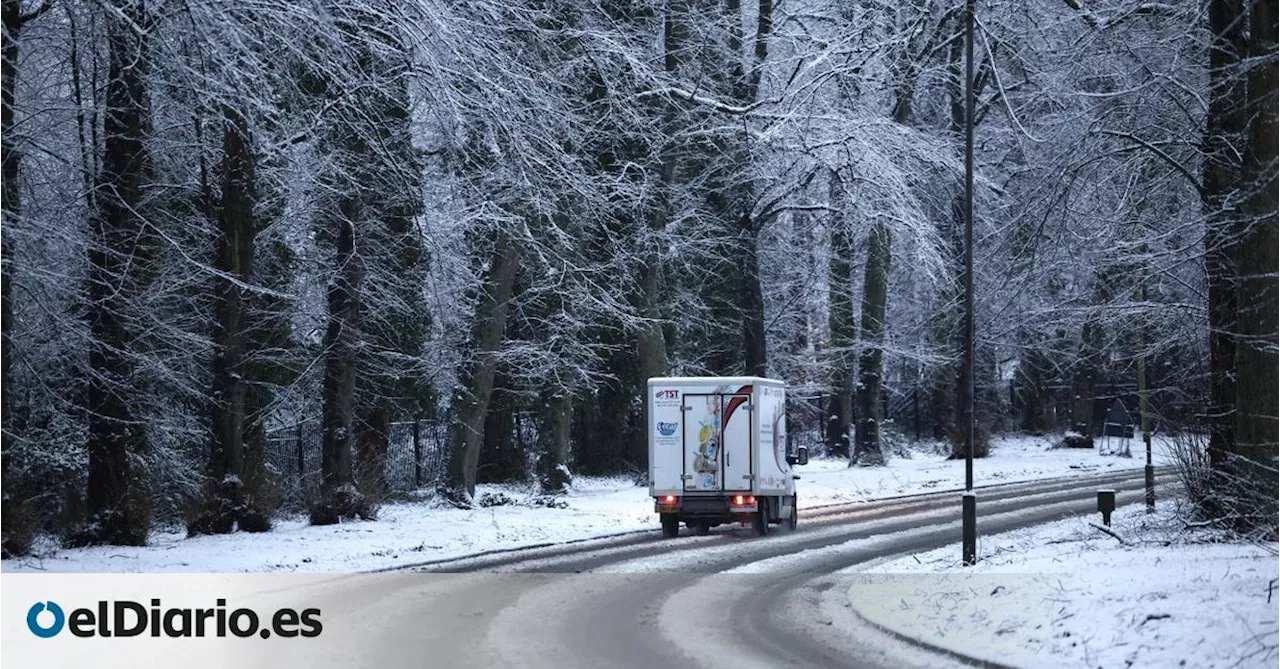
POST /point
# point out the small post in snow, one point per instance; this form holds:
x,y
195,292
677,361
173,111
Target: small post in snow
x,y
1106,504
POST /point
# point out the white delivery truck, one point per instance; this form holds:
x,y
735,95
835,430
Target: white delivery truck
x,y
718,453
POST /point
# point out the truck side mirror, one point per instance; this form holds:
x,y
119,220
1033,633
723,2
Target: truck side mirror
x,y
800,458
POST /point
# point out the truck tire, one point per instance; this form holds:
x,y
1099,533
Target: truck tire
x,y
670,525
760,521
794,518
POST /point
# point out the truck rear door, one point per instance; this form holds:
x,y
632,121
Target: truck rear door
x,y
736,437
717,442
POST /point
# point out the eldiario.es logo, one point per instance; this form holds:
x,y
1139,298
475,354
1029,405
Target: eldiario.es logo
x,y
124,618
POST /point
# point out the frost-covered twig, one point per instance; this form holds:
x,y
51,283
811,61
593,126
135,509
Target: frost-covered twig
x,y
1108,530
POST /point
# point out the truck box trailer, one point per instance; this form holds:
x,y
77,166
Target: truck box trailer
x,y
719,453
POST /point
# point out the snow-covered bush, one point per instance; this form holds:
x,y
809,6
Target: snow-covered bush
x,y
1238,495
490,499
1073,439
343,502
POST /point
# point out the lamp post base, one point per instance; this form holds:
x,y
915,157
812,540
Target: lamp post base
x,y
1151,488
970,529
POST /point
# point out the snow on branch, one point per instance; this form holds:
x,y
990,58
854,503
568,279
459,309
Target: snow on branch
x,y
691,96
1146,8
1179,167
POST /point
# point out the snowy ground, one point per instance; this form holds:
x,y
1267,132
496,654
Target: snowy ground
x,y
1068,595
1013,459
408,533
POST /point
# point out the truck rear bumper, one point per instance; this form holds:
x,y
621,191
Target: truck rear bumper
x,y
709,507
704,507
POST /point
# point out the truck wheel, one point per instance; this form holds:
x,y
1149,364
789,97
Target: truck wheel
x,y
670,525
701,529
794,518
760,521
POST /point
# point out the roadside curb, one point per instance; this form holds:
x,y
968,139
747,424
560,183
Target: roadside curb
x,y
855,504
506,551
820,511
926,646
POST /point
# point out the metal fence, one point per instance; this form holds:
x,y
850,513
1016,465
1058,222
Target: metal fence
x,y
416,457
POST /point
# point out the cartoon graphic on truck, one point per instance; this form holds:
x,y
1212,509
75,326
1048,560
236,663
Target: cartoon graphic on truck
x,y
707,464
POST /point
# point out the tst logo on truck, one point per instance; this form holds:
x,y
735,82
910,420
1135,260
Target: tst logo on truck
x,y
667,395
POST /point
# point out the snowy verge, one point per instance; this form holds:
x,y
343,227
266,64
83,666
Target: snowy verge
x,y
1068,594
408,533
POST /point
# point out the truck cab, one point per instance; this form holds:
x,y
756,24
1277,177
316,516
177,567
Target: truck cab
x,y
719,453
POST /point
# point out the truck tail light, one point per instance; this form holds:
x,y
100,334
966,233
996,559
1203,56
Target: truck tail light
x,y
669,499
739,500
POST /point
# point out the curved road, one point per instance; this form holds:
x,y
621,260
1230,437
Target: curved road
x,y
730,599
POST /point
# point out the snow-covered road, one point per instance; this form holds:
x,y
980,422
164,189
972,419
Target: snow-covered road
x,y
414,532
730,599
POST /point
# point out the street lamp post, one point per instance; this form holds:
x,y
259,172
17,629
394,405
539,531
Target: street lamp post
x,y
970,501
1149,470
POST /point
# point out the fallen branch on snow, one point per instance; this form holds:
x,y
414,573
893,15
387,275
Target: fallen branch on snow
x,y
1108,530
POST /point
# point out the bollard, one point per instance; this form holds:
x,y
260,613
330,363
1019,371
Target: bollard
x,y
1106,504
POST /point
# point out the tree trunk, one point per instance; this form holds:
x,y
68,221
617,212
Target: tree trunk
x,y
652,346
395,324
339,496
235,258
1033,367
1225,124
117,504
503,456
753,327
651,349
10,13
840,323
1085,379
949,384
946,329
875,293
471,403
1255,434
597,433
374,438
557,411
744,86
226,501
757,355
